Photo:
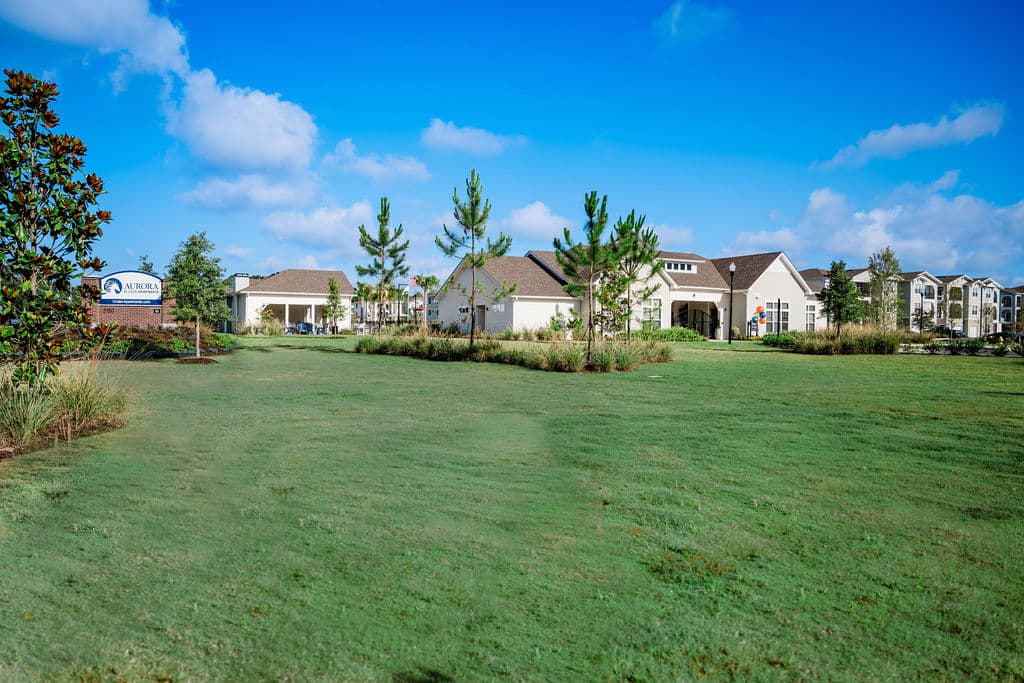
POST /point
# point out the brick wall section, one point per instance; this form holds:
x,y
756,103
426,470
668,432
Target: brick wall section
x,y
131,316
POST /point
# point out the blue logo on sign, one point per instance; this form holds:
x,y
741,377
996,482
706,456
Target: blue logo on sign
x,y
112,286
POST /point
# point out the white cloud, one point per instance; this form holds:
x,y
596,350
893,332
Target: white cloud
x,y
443,135
947,181
672,238
762,241
374,165
928,231
534,221
308,262
144,41
689,22
242,128
326,227
250,192
899,140
240,253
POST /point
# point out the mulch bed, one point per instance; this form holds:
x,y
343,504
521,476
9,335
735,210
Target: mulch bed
x,y
196,361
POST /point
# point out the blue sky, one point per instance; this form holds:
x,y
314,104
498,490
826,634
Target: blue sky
x,y
736,127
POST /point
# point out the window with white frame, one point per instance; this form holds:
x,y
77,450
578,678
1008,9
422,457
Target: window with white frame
x,y
650,314
975,292
929,292
771,321
681,267
974,309
809,317
918,286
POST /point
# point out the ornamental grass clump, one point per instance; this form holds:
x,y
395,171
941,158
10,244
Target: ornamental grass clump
x,y
76,402
557,357
850,341
25,411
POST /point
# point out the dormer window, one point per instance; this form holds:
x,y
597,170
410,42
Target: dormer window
x,y
679,267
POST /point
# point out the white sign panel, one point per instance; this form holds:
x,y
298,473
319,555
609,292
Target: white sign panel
x,y
130,288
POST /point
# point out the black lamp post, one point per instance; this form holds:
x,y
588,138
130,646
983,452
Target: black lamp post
x,y
732,275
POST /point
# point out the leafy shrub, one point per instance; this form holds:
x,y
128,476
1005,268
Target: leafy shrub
x,y
671,334
780,340
134,342
933,347
1018,348
974,346
1001,350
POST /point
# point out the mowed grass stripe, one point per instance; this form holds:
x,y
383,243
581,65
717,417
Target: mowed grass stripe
x,y
301,511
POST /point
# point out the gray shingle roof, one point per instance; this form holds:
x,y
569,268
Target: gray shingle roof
x,y
528,276
705,275
815,278
297,281
748,267
549,262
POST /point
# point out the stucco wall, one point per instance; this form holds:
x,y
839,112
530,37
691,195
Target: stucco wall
x,y
777,282
533,314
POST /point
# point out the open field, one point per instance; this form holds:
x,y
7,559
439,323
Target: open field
x,y
299,512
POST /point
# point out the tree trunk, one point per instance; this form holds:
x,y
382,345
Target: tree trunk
x,y
629,314
590,319
197,336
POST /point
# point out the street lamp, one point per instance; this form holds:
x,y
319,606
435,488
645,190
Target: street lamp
x,y
732,275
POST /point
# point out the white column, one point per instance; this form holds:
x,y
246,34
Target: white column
x,y
286,316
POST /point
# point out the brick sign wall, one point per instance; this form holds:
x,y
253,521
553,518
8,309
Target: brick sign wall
x,y
130,316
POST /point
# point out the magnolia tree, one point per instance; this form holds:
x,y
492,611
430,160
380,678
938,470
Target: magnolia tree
x,y
47,230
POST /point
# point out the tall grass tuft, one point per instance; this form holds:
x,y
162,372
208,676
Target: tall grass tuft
x,y
852,340
557,357
82,402
25,412
75,402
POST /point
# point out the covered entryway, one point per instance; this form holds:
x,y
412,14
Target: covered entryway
x,y
701,316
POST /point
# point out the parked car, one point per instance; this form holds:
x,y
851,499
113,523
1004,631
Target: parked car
x,y
945,331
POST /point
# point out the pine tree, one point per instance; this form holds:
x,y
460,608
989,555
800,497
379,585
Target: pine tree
x,y
840,298
586,262
146,266
638,256
196,284
388,256
468,244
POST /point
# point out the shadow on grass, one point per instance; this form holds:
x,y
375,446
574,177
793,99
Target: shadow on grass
x,y
1003,393
422,675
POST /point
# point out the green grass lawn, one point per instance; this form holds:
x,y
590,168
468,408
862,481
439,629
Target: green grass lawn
x,y
298,512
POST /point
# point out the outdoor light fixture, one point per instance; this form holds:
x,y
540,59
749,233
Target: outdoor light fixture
x,y
732,275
